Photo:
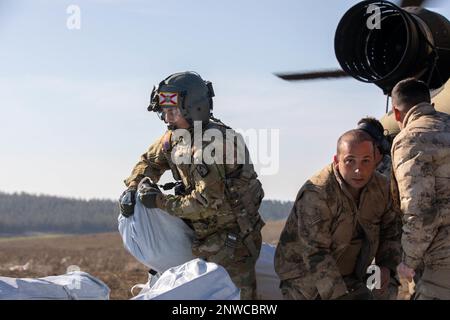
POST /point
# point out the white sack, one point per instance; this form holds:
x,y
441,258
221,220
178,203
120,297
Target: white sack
x,y
75,285
161,241
156,239
194,280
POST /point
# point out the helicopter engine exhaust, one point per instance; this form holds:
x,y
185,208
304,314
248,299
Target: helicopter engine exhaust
x,y
381,43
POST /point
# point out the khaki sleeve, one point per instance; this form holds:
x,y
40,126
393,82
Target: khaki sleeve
x,y
205,199
389,250
152,164
416,186
314,228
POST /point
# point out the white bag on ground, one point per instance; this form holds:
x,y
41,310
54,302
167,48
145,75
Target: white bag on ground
x,y
75,285
156,239
267,280
193,280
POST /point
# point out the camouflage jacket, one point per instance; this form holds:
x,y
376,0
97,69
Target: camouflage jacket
x,y
207,204
421,163
320,228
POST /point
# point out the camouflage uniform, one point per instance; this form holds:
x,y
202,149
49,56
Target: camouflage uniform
x,y
329,241
421,164
212,205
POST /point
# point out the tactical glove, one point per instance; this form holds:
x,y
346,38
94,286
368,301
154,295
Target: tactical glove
x,y
127,202
148,191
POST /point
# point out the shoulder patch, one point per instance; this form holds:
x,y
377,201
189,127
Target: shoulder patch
x,y
166,142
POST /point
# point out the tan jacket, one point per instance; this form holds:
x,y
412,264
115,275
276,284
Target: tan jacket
x,y
421,164
320,229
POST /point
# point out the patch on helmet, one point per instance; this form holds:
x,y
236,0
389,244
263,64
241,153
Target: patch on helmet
x,y
168,99
202,170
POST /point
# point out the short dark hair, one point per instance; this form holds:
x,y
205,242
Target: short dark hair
x,y
354,136
375,123
373,127
410,92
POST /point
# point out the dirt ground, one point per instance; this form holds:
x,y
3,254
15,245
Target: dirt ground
x,y
101,255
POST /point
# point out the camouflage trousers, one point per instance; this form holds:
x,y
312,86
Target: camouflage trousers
x,y
235,257
290,289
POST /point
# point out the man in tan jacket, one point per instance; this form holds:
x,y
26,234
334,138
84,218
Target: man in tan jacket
x,y
421,165
341,220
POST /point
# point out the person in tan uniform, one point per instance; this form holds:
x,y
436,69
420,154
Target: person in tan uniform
x,y
341,220
218,198
421,165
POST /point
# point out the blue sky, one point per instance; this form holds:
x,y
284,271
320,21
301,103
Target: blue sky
x,y
73,102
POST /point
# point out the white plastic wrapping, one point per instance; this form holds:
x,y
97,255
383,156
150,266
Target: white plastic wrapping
x,y
193,280
161,241
75,285
156,239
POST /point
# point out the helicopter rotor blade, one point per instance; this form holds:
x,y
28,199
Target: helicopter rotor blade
x,y
313,75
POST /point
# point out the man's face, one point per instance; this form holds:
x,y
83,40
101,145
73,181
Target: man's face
x,y
356,163
173,117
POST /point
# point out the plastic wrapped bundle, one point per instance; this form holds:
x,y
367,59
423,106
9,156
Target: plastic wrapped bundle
x,y
193,280
156,239
75,285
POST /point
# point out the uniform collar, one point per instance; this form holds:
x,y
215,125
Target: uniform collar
x,y
417,111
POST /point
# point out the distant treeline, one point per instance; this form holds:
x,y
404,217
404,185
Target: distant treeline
x,y
275,209
24,213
